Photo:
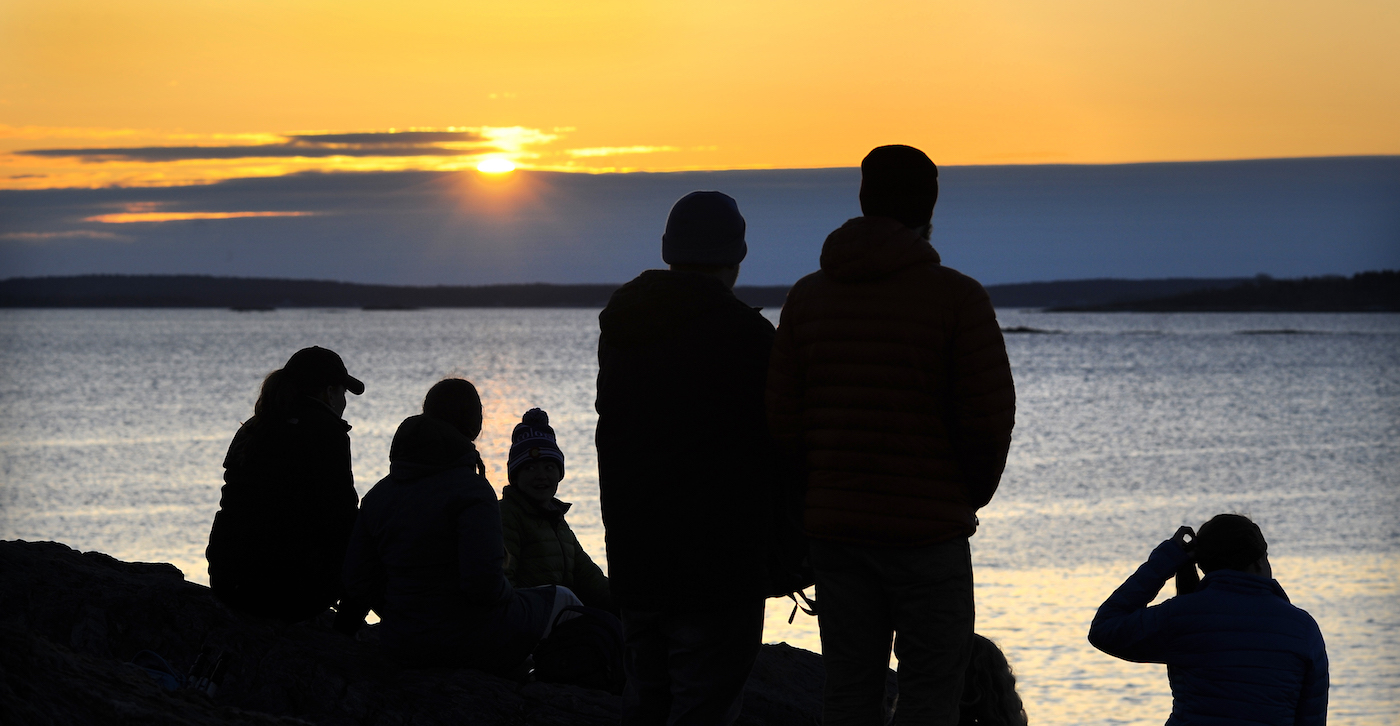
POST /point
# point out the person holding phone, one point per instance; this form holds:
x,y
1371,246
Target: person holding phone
x,y
1236,650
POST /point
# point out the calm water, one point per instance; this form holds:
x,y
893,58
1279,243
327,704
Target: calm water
x,y
116,421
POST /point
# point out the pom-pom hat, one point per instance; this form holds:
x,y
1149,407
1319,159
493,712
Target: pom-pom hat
x,y
533,439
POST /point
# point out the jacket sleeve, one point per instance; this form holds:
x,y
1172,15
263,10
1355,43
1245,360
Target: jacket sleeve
x,y
510,532
364,580
983,395
1312,706
481,552
590,584
1124,626
783,395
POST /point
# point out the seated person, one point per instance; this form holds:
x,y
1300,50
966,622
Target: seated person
x,y
989,695
540,547
289,498
427,555
1236,651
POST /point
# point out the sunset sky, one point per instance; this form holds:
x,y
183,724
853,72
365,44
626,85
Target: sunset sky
x,y
246,88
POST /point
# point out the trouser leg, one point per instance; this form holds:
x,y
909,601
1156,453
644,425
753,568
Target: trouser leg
x,y
563,598
645,661
853,614
931,591
710,656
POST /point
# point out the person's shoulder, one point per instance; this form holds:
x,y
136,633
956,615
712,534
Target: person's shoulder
x,y
963,286
512,506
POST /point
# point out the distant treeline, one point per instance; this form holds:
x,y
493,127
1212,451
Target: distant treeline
x,y
1366,291
1362,292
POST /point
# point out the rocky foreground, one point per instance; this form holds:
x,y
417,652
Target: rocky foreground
x,y
70,621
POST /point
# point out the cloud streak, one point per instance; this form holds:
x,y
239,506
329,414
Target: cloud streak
x,y
141,217
307,146
618,151
69,234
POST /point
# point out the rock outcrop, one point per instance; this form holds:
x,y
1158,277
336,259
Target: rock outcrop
x,y
71,621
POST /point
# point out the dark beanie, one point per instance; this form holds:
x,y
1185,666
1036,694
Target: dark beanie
x,y
899,182
1229,542
704,228
533,439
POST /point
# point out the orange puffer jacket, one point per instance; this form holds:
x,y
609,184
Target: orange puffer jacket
x,y
889,374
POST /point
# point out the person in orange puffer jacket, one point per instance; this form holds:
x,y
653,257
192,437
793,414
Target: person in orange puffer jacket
x,y
889,378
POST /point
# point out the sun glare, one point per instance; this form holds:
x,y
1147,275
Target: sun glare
x,y
495,165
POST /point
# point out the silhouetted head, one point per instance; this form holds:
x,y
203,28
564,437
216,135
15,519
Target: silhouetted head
x,y
704,229
1230,542
989,695
314,368
455,401
899,182
315,372
533,438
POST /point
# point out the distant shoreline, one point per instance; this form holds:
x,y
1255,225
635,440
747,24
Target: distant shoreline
x,y
1369,291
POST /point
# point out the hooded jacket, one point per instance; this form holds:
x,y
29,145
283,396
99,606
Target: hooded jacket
x,y
285,516
1237,652
684,458
542,550
427,554
889,377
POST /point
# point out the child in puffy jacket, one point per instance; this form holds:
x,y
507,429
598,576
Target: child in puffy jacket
x,y
540,547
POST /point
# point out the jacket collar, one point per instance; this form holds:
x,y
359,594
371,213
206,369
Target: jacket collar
x,y
313,409
554,513
409,470
1242,582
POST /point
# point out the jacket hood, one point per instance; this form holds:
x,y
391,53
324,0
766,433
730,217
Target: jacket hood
x,y
424,445
1242,582
869,248
659,304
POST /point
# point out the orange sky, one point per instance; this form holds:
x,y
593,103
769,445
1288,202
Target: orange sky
x,y
655,85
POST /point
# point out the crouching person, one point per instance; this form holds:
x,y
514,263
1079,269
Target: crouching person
x,y
540,547
427,553
1236,651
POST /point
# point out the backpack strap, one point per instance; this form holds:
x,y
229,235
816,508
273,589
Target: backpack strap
x,y
811,608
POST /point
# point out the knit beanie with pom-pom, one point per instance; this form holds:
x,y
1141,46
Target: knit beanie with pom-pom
x,y
533,439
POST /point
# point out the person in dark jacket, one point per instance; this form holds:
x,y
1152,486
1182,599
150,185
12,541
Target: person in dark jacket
x,y
289,498
890,379
427,554
683,469
540,547
1236,650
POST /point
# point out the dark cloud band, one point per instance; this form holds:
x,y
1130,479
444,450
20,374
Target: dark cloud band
x,y
396,138
312,146
261,151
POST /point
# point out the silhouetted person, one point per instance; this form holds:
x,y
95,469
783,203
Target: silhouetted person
x,y
540,547
890,379
989,695
427,552
1236,651
289,498
682,469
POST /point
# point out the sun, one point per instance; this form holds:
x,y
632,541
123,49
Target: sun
x,y
495,165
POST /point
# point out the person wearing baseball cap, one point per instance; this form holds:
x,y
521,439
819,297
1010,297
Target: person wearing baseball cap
x,y
289,500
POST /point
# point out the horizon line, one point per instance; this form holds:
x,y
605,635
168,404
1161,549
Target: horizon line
x,y
685,170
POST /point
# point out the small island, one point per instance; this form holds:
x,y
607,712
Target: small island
x,y
1363,292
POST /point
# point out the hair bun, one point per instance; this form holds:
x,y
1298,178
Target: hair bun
x,y
535,417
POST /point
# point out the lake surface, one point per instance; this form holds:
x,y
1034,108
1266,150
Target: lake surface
x,y
115,423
